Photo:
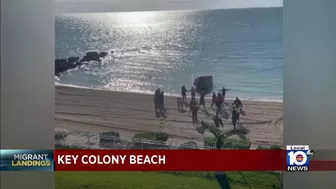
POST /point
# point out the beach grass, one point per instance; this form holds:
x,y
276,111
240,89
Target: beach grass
x,y
128,180
160,180
229,143
152,136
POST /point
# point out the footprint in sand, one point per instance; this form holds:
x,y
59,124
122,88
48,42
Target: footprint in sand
x,y
275,123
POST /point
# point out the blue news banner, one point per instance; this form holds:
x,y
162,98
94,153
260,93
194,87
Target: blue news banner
x,y
27,160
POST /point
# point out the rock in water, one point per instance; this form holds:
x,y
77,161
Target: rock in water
x,y
94,56
62,65
91,56
73,59
102,54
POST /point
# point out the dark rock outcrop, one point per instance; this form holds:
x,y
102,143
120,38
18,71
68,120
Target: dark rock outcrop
x,y
93,56
102,54
73,59
62,65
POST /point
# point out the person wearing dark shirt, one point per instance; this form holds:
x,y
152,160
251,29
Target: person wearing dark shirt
x,y
219,102
156,99
217,120
202,100
193,110
235,115
184,93
238,107
223,90
214,96
192,103
157,92
238,103
193,92
161,102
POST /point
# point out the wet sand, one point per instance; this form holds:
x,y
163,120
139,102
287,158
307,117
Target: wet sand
x,y
95,111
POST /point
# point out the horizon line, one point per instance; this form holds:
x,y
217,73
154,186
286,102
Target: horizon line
x,y
170,10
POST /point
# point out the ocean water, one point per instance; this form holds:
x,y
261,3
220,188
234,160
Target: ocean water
x,y
240,48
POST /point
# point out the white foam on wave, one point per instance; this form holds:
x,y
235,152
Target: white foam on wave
x,y
78,86
149,92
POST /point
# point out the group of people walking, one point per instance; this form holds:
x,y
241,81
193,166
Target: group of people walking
x,y
235,108
217,99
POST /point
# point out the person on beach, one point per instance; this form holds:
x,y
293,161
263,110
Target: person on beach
x,y
161,102
214,96
238,102
184,93
223,90
221,97
157,92
156,99
217,120
235,115
193,110
191,104
219,102
193,92
238,107
202,100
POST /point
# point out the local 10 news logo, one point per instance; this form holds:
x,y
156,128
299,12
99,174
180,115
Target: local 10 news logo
x,y
298,157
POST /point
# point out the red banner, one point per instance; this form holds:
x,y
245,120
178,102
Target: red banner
x,y
170,160
178,160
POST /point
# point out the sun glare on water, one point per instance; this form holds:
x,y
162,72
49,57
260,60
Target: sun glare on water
x,y
137,18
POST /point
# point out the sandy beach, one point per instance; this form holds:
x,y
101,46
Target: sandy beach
x,y
96,111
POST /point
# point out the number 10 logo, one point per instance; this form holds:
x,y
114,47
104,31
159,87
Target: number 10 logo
x,y
298,158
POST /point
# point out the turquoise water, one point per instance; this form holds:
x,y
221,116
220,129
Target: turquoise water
x,y
241,49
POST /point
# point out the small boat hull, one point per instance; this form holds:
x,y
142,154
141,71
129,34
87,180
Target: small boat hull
x,y
204,83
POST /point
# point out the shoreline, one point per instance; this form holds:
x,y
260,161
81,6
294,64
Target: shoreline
x,y
57,84
86,111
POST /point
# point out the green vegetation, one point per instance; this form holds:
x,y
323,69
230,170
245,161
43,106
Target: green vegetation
x,y
240,180
209,141
60,138
255,180
152,136
110,136
274,147
128,180
189,145
228,143
60,135
206,125
139,140
169,180
222,141
155,180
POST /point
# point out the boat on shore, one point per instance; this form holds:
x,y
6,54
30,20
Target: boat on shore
x,y
204,83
